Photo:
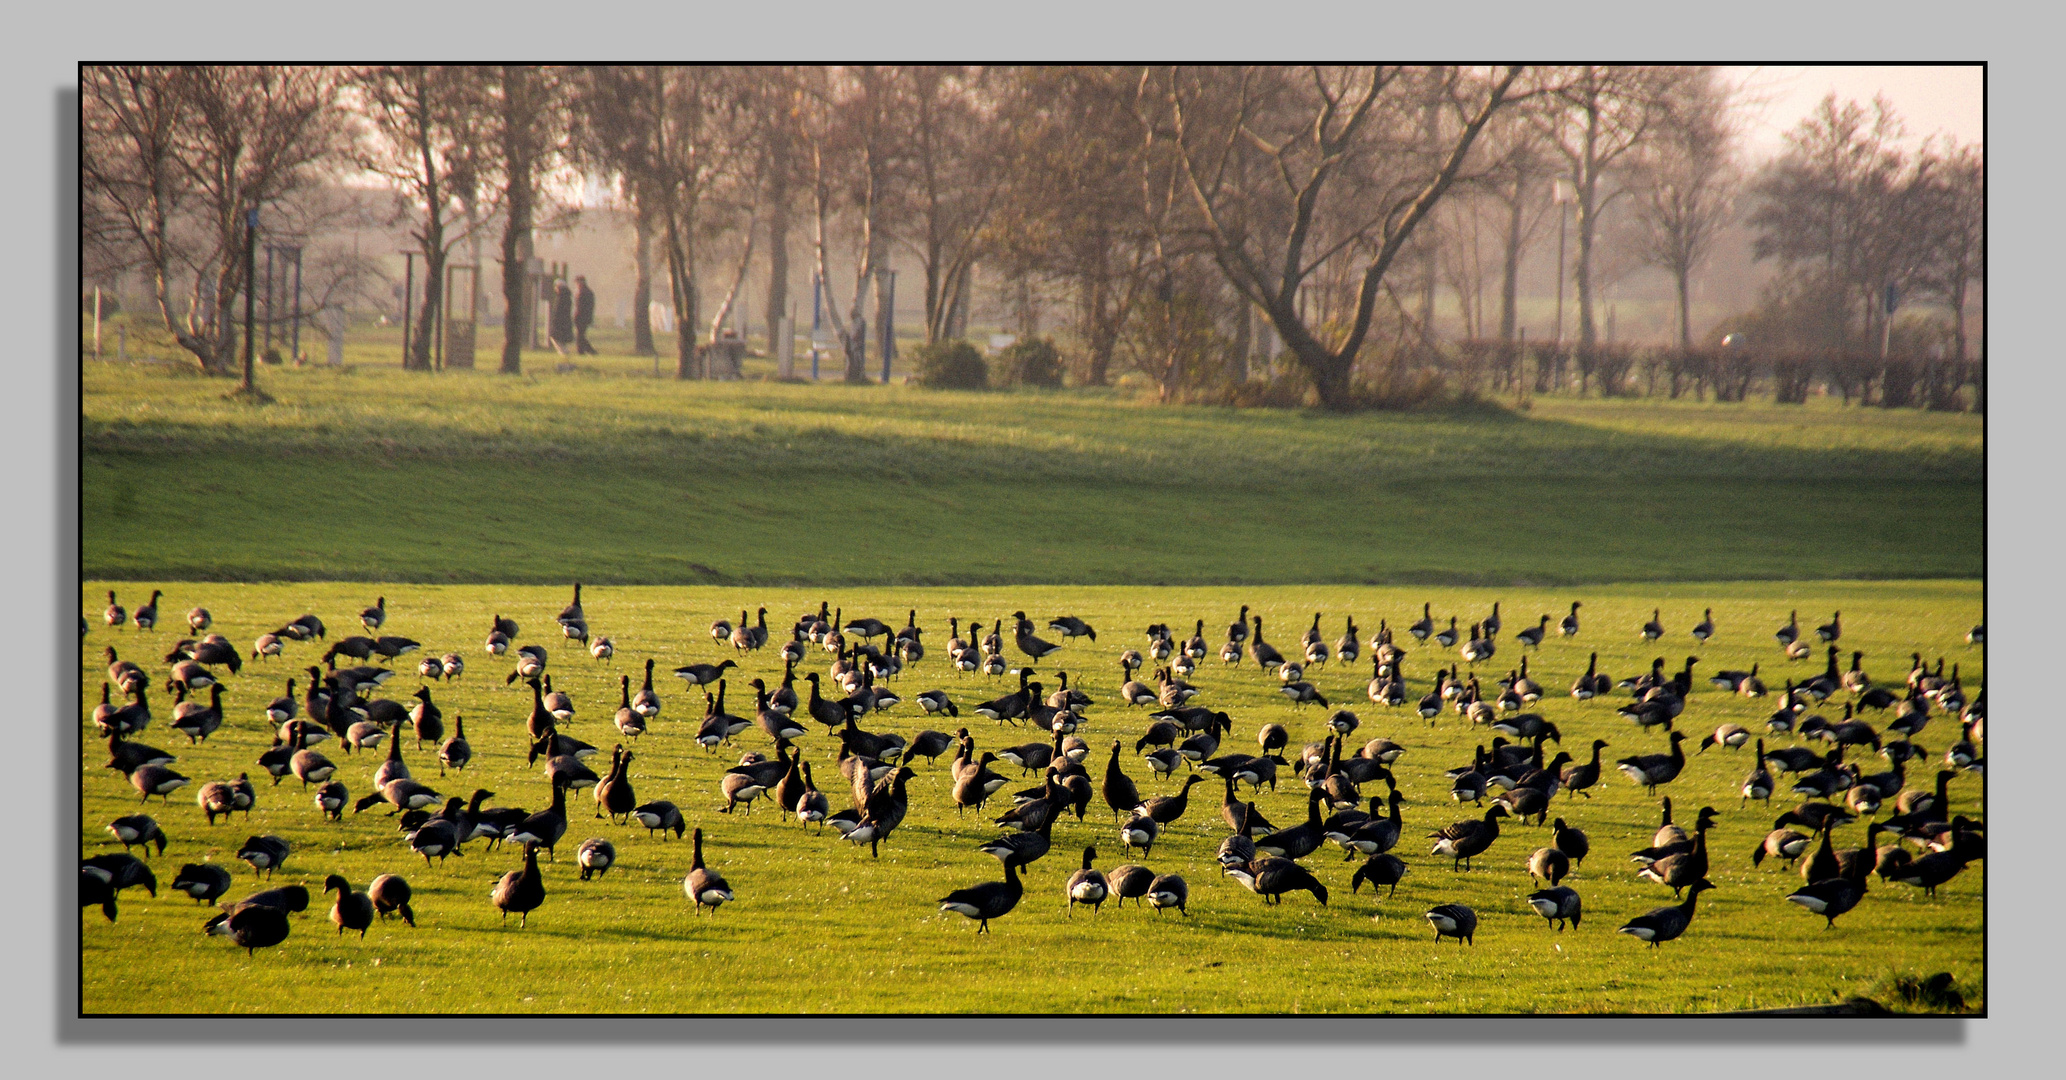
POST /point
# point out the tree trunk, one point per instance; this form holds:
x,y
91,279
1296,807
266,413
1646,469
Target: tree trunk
x,y
642,286
778,240
1244,339
1685,313
424,333
517,300
681,281
1510,276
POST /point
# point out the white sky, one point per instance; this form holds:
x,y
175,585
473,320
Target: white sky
x,y
1929,100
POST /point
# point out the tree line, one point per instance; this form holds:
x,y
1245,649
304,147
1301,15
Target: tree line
x,y
1184,212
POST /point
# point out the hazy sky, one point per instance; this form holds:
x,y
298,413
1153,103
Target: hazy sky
x,y
1929,100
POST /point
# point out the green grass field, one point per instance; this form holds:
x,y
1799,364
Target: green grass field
x,y
820,927
372,474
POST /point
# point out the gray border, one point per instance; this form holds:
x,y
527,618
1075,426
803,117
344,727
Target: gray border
x,y
2017,528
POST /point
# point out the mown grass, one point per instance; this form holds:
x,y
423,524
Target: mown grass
x,y
374,474
820,927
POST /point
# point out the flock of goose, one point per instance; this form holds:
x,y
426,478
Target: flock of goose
x,y
1342,807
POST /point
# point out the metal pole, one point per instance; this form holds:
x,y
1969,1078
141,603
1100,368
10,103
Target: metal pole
x,y
96,322
250,270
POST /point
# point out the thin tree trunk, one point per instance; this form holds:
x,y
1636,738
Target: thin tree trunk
x,y
778,245
1510,277
642,284
1685,309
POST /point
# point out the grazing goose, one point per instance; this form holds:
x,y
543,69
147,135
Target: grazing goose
x,y
1653,629
936,701
661,816
705,886
602,648
331,798
139,829
265,853
198,619
1651,770
1667,923
704,674
990,900
156,780
1140,832
1270,878
1381,871
1070,626
390,895
205,882
252,927
1781,843
1453,920
1557,905
521,891
1548,864
530,663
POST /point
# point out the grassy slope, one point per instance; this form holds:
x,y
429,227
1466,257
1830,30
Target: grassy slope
x,y
820,927
611,475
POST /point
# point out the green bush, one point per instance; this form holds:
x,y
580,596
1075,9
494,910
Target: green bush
x,y
1031,362
953,365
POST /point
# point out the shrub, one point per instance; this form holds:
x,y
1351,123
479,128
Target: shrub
x,y
952,365
1031,362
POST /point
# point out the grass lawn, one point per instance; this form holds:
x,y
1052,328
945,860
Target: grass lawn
x,y
818,926
608,474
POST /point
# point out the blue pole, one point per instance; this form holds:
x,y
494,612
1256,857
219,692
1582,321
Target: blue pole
x,y
817,319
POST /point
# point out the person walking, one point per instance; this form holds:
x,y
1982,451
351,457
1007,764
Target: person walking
x,y
562,317
584,316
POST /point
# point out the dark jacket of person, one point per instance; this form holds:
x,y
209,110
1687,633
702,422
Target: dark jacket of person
x,y
563,314
584,307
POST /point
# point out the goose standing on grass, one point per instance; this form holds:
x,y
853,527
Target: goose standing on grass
x,y
1266,655
1568,627
390,895
138,829
1448,638
1705,628
705,886
198,619
1381,871
1453,920
374,617
1022,635
1558,906
1271,877
353,910
1830,631
1654,629
521,891
629,722
1087,886
1464,839
1831,896
1667,923
146,617
990,900
115,615
1651,770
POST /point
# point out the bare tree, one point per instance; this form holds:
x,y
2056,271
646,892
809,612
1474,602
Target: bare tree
x,y
179,158
528,131
1685,181
419,122
1320,136
1846,214
955,163
855,155
1594,115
